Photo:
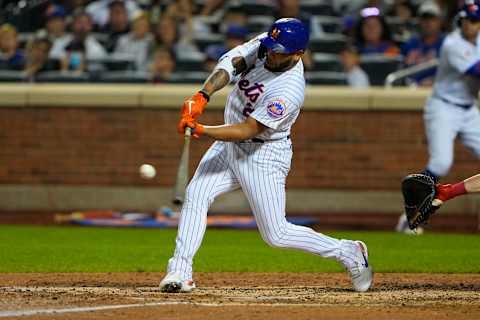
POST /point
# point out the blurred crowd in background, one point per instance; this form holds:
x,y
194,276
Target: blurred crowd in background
x,y
353,42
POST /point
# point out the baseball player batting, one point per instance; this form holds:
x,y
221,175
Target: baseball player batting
x,y
451,110
253,151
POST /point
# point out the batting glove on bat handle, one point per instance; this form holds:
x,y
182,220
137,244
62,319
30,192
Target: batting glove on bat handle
x,y
195,105
196,129
188,122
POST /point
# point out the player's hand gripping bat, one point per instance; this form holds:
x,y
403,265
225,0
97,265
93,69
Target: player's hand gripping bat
x,y
182,172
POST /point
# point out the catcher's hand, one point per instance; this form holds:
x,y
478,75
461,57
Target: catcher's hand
x,y
419,199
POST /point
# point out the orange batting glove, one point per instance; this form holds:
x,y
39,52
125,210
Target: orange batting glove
x,y
195,105
187,121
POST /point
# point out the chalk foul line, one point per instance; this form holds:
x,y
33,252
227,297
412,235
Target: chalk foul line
x,y
24,313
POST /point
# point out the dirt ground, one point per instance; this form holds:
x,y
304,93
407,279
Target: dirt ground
x,y
239,296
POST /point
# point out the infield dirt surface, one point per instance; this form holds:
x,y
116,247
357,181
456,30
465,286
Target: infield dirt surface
x,y
240,296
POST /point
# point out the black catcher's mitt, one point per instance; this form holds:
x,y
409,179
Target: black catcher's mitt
x,y
419,198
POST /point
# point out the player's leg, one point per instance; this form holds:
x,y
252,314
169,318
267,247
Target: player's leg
x,y
262,176
211,179
442,124
470,131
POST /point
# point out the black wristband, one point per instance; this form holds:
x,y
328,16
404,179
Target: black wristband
x,y
205,95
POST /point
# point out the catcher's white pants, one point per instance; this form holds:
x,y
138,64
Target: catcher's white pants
x,y
260,170
443,122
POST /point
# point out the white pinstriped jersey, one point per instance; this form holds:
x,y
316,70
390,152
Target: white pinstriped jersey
x,y
457,55
272,98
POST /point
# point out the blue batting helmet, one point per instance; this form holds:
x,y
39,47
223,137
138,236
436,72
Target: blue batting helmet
x,y
286,35
470,10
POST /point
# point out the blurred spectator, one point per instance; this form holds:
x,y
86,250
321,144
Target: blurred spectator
x,y
212,55
137,44
55,21
37,57
118,24
189,20
55,26
13,58
100,12
182,12
373,35
74,5
356,77
235,36
234,15
426,45
75,60
352,7
449,9
403,11
82,41
209,7
156,9
167,35
163,65
291,9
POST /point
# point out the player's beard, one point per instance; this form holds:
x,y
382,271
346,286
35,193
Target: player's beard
x,y
279,67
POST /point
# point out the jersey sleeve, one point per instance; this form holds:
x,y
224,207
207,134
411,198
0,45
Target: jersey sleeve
x,y
275,112
460,57
248,51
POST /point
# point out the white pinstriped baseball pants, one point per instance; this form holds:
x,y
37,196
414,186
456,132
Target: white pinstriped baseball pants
x,y
260,170
443,123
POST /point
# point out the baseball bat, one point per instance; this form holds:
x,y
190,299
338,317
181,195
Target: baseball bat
x,y
182,172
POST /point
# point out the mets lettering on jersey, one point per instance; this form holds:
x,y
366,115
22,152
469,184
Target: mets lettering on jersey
x,y
252,92
276,109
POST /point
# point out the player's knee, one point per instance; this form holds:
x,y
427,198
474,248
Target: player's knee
x,y
193,205
275,242
275,239
194,197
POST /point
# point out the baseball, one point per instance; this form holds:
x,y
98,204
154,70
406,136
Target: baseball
x,y
147,171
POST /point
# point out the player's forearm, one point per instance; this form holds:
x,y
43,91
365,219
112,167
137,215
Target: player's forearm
x,y
472,184
221,77
230,132
216,81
